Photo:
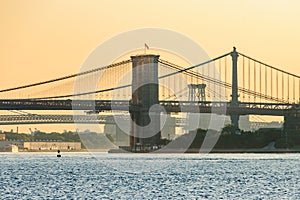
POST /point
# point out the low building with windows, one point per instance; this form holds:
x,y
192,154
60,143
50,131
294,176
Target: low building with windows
x,y
50,146
9,146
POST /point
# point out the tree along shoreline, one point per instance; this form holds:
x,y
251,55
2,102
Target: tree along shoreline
x,y
260,141
227,141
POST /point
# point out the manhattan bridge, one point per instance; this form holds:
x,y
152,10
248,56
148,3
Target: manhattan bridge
x,y
232,84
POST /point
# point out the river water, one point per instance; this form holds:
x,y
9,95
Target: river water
x,y
149,176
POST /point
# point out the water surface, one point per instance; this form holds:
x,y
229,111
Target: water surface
x,y
149,176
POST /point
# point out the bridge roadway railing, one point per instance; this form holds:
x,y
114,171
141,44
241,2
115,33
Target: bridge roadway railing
x,y
56,119
243,108
67,119
28,104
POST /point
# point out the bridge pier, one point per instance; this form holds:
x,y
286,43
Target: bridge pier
x,y
235,122
292,121
145,126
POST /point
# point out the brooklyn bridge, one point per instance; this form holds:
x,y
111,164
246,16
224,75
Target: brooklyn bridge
x,y
146,85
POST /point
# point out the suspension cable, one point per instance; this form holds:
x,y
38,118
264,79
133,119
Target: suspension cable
x,y
269,65
227,85
125,86
66,77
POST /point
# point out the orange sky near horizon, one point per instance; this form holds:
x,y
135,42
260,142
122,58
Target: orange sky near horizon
x,y
45,39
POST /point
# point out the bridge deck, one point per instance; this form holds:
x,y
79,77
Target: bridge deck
x,y
244,108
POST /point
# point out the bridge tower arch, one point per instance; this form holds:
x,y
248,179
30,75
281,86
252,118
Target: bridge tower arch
x,y
197,92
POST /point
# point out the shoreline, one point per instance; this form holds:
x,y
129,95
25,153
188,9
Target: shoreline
x,y
190,151
248,151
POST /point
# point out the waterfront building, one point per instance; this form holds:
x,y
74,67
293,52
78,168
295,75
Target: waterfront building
x,y
49,146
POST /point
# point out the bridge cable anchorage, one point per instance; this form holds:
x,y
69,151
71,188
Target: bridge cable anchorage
x,y
67,77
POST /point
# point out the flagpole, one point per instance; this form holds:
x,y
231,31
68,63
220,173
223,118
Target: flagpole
x,y
146,47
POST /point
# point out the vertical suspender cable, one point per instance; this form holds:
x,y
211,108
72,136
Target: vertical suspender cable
x,y
208,83
175,86
220,69
293,89
288,88
123,73
220,78
260,81
282,87
254,80
225,61
277,84
271,84
165,83
117,77
192,78
244,76
249,72
169,86
129,90
214,77
266,80
202,71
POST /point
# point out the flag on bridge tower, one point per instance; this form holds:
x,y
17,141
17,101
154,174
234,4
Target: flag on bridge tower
x,y
146,47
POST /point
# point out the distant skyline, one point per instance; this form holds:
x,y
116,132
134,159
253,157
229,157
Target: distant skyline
x,y
46,39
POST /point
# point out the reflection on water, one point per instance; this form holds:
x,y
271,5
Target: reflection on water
x,y
149,176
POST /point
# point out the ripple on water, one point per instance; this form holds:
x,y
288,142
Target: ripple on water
x,y
141,176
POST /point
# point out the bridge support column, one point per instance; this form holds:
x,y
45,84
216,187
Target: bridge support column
x,y
234,94
145,131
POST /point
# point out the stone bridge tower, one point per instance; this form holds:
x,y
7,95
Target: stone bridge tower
x,y
145,131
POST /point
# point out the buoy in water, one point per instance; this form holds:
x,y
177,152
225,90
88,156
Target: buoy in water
x,y
58,153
